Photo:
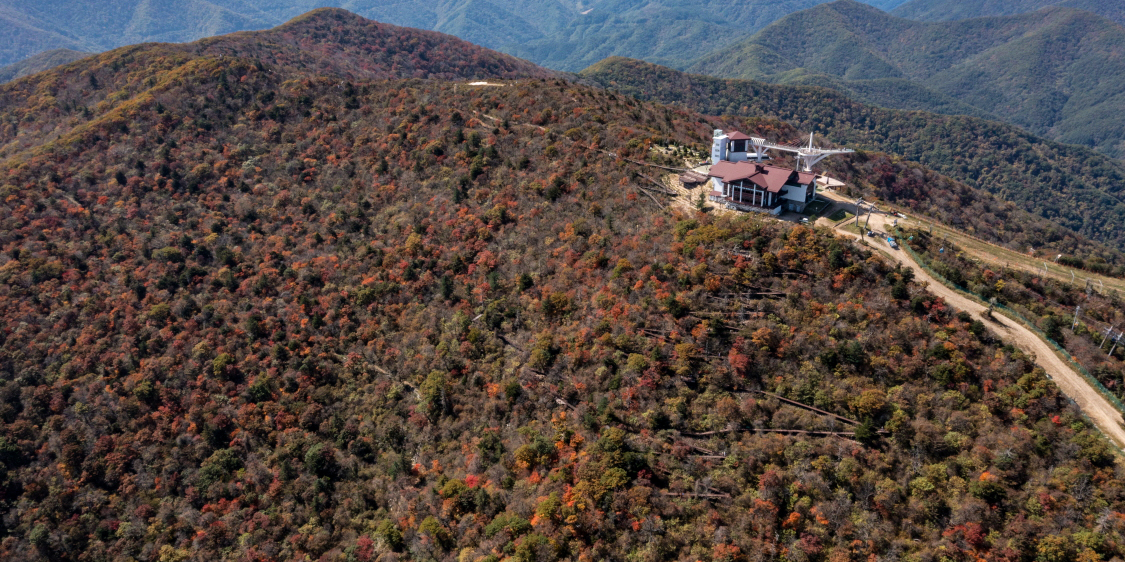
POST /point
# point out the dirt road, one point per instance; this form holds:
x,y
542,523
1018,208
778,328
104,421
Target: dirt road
x,y
1103,414
1108,419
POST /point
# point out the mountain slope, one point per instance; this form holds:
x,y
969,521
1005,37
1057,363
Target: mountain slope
x,y
665,31
1055,72
38,63
252,312
563,34
26,37
361,49
950,10
1070,185
40,26
365,49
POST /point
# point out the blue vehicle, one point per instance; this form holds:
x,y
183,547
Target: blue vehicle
x,y
892,243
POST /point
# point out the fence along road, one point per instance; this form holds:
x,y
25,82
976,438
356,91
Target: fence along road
x,y
1097,408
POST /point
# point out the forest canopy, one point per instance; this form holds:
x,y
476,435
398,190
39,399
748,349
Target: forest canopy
x,y
257,312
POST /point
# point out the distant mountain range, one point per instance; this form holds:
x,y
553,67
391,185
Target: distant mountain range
x,y
1053,68
950,10
34,27
1058,72
561,34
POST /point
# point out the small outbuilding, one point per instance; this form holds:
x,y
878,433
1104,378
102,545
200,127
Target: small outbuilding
x,y
692,179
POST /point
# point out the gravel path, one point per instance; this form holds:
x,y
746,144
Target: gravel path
x,y
1099,410
1107,418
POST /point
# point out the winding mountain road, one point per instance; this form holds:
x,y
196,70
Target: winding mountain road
x,y
1099,410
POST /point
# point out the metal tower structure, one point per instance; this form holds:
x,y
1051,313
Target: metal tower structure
x,y
807,156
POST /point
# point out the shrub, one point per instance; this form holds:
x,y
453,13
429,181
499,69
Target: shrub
x,y
169,254
509,523
218,467
390,533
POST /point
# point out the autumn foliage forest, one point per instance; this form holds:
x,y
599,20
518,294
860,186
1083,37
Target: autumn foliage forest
x,y
265,310
1047,303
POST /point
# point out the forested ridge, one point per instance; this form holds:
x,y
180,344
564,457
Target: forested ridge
x,y
1070,185
1053,72
255,312
945,10
38,63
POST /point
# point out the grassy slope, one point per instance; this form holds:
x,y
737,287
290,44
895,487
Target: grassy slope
x,y
1072,186
1053,72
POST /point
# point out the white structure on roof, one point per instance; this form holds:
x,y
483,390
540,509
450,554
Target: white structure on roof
x,y
740,147
736,147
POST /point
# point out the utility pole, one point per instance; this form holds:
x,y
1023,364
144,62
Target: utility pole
x,y
991,305
1109,330
1077,309
1116,341
870,211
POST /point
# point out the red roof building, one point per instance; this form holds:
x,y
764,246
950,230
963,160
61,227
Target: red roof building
x,y
741,179
761,187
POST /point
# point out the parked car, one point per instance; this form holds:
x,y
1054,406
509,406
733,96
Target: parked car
x,y
892,242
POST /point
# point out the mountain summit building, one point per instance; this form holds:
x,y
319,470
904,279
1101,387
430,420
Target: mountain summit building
x,y
740,180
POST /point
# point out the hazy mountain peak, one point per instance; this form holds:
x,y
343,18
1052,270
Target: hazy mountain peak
x,y
338,42
323,15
